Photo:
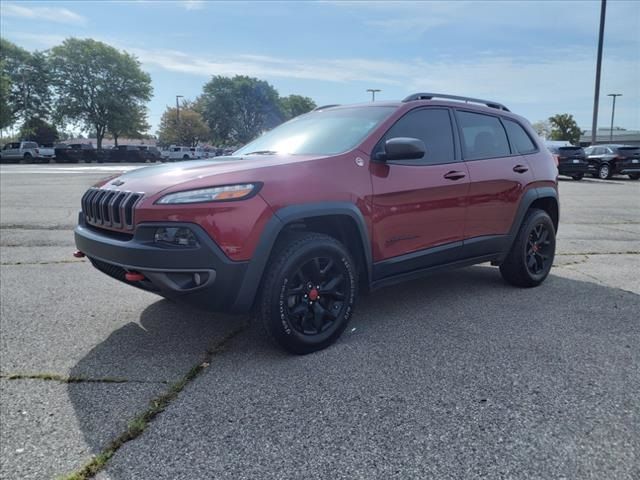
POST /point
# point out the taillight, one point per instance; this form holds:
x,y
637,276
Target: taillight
x,y
556,158
37,151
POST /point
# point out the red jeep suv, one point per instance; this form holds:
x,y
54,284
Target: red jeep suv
x,y
341,199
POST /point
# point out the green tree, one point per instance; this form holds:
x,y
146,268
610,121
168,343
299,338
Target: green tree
x,y
94,83
37,130
28,83
130,122
542,128
564,127
295,105
188,131
6,115
239,109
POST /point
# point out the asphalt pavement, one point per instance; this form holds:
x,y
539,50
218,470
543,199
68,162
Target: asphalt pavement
x,y
454,376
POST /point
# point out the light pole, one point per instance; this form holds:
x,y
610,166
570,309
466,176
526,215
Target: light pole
x,y
373,93
178,108
596,96
613,112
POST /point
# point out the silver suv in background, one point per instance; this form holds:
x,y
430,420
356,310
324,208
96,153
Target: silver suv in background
x,y
22,152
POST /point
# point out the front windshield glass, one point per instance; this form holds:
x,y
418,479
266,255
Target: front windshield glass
x,y
323,132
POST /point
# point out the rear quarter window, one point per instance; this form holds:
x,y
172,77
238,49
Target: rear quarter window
x,y
520,140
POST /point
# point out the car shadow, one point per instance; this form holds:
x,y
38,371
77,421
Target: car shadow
x,y
433,320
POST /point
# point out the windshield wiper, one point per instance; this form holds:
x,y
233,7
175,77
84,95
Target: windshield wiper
x,y
262,152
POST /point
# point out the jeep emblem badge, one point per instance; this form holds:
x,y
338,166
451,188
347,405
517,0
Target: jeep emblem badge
x,y
359,162
117,183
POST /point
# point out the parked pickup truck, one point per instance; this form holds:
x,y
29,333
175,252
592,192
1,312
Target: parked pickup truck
x,y
175,153
22,152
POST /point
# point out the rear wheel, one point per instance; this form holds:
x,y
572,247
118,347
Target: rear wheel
x,y
185,157
27,158
604,171
531,256
309,293
578,177
634,176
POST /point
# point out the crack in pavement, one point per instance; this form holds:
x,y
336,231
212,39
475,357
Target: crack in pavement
x,y
52,262
22,226
54,377
156,406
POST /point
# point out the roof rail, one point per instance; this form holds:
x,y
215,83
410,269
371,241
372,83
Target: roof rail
x,y
429,96
326,106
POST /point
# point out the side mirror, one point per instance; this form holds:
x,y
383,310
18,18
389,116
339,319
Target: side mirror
x,y
403,148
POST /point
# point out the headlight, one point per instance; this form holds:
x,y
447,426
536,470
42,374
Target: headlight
x,y
213,194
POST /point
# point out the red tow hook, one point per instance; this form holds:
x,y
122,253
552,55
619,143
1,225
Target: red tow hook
x,y
134,276
78,254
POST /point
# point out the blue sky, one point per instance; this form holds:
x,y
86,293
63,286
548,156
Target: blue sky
x,y
538,57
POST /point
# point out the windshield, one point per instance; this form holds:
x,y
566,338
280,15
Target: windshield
x,y
323,132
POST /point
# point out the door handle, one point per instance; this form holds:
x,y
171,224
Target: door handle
x,y
520,169
454,175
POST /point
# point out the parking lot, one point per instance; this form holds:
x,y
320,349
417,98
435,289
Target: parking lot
x,y
455,376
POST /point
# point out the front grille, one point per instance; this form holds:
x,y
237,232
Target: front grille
x,y
109,208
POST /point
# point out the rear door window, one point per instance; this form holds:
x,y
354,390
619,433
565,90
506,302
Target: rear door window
x,y
483,136
520,141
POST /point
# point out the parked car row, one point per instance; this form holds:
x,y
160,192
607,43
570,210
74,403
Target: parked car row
x,y
31,152
600,161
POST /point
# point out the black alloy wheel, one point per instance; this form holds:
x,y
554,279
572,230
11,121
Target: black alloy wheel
x,y
315,296
539,250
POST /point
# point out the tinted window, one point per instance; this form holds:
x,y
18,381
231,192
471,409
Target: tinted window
x,y
520,141
30,145
433,127
482,136
322,132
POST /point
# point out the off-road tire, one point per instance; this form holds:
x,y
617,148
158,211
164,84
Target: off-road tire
x,y
283,275
515,269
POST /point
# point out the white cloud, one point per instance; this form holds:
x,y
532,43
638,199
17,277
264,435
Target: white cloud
x,y
193,4
527,86
47,14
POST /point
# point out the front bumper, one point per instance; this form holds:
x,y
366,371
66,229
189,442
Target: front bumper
x,y
202,276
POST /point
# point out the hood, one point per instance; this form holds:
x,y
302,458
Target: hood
x,y
198,173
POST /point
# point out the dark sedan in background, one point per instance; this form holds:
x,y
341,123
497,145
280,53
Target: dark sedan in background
x,y
608,160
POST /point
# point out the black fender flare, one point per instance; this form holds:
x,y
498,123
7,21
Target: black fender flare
x,y
527,200
281,219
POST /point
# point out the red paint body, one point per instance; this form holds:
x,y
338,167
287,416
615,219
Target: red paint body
x,y
406,208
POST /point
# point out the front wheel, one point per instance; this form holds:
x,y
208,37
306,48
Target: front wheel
x,y
604,171
578,177
309,293
634,176
529,261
